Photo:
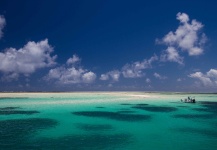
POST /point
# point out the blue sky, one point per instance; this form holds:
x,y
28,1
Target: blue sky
x,y
123,45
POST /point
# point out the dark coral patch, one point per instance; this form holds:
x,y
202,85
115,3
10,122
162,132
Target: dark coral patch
x,y
8,98
209,106
183,106
9,108
141,104
208,103
113,115
204,132
125,104
16,110
155,108
126,111
16,132
84,142
100,107
195,116
201,109
94,127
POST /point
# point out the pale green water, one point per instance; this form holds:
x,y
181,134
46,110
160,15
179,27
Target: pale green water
x,y
108,121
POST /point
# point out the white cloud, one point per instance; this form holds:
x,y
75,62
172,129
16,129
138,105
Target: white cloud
x,y
73,60
158,76
110,85
135,69
212,74
28,59
88,77
172,55
182,17
208,79
104,77
114,75
187,37
147,80
73,74
179,79
2,25
10,77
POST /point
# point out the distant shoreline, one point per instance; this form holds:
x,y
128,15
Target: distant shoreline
x,y
163,92
134,94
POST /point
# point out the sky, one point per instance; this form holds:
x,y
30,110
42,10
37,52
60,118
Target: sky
x,y
110,45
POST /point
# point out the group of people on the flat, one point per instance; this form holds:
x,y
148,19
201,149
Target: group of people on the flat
x,y
188,100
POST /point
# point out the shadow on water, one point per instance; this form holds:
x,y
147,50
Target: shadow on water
x,y
94,127
113,115
17,132
154,108
16,110
84,142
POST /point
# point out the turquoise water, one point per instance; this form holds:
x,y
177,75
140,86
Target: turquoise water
x,y
108,121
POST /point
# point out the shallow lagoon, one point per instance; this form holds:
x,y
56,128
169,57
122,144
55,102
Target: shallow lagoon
x,y
118,120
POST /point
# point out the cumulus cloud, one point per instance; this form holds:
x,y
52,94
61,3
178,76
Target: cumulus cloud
x,y
88,77
104,76
148,80
71,73
10,77
2,25
179,80
158,76
26,60
74,59
135,69
114,75
172,55
208,79
132,70
187,37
